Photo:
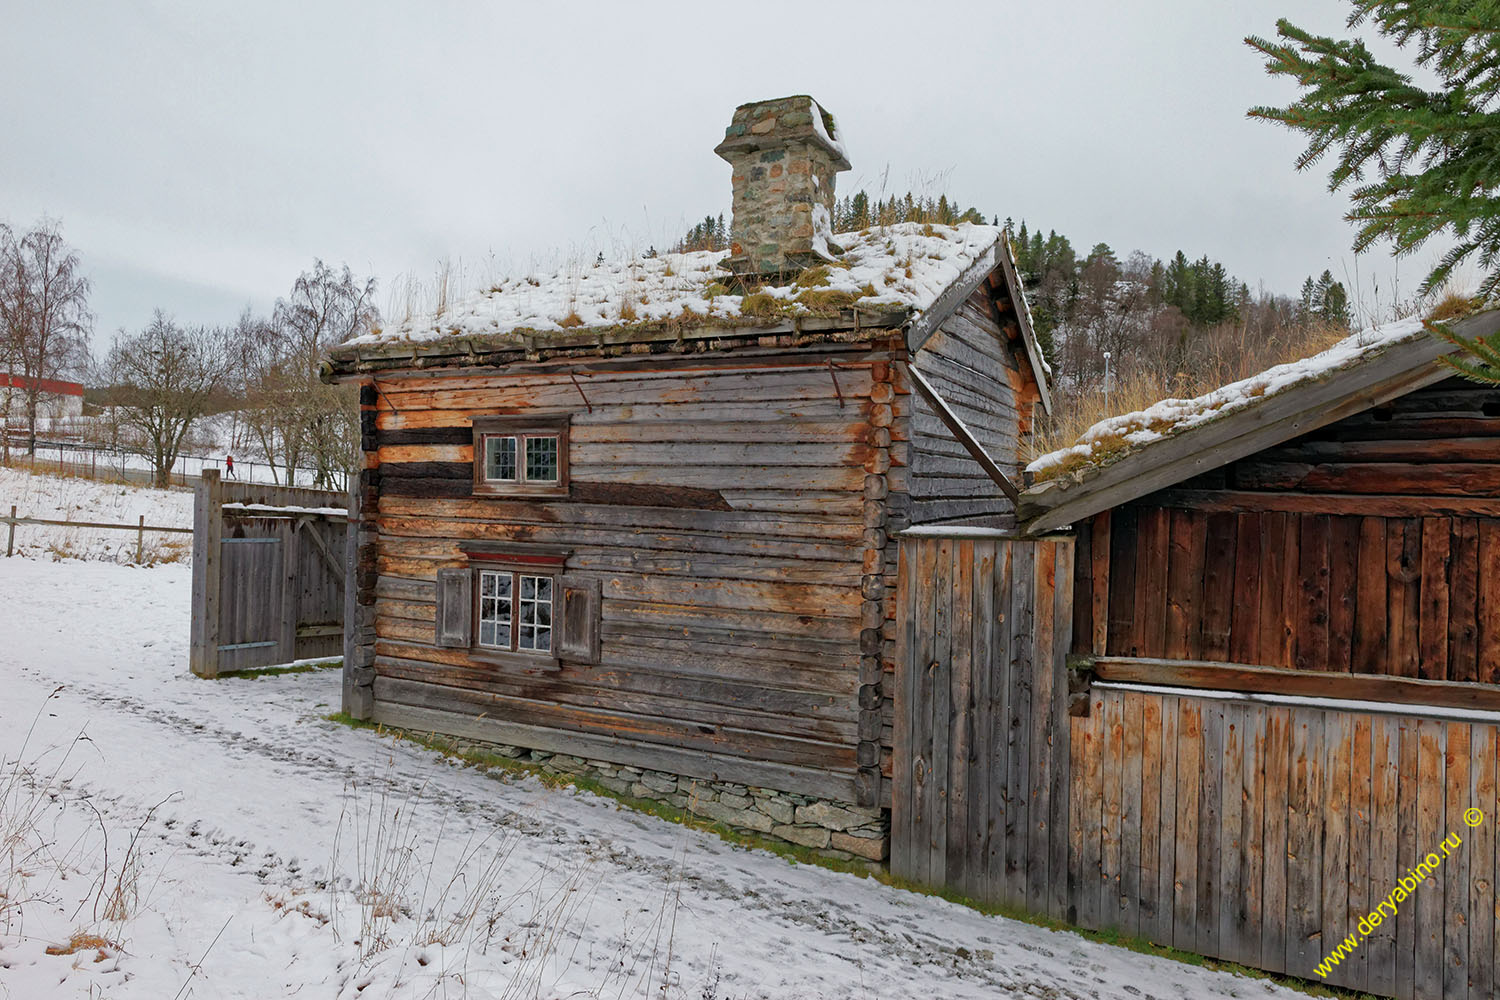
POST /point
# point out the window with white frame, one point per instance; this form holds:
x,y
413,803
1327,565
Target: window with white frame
x,y
521,457
514,606
515,611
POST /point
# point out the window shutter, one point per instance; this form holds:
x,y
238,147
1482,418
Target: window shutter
x,y
455,601
579,641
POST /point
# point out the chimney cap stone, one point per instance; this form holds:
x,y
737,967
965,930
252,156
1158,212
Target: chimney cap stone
x,y
779,122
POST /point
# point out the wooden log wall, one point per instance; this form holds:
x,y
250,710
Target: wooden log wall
x,y
735,518
1369,546
980,371
980,795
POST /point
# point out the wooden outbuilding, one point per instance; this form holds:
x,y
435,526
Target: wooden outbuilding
x,y
1248,695
641,514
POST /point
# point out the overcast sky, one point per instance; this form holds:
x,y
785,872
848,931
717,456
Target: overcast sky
x,y
200,154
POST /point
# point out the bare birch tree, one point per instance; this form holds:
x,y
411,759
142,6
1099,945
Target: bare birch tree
x,y
43,311
295,418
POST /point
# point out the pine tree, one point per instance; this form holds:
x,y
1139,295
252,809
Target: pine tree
x,y
1307,303
1330,301
1420,162
859,212
1433,152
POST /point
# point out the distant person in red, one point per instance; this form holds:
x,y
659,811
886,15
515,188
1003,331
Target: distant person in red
x,y
229,465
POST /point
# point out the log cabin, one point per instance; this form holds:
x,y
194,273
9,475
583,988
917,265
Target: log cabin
x,y
638,517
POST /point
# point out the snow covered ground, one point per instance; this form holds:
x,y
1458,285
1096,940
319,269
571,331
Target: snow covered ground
x,y
63,498
224,840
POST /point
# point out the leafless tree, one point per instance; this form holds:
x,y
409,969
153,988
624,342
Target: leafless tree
x,y
44,312
294,416
163,379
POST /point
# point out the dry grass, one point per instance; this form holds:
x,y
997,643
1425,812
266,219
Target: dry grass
x,y
570,321
813,277
827,299
761,305
1453,305
84,941
1219,358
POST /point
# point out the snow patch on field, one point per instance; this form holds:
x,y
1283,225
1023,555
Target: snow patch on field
x,y
1116,436
64,498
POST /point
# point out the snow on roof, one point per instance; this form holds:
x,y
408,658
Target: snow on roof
x,y
907,265
1115,437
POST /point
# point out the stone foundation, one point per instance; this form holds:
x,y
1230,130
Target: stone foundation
x,y
836,830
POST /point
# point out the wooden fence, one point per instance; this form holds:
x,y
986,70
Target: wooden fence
x,y
268,575
1255,828
140,528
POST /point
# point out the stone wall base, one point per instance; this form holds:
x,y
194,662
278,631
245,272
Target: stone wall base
x,y
832,829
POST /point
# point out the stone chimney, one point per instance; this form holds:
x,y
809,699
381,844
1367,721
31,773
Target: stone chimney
x,y
785,153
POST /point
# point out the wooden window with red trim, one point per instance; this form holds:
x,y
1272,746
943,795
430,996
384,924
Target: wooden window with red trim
x,y
514,607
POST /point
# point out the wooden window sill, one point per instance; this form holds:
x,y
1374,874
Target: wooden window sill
x,y
515,662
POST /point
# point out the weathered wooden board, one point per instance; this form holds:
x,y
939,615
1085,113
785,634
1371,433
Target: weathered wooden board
x,y
981,799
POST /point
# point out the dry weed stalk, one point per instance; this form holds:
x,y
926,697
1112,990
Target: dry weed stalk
x,y
30,857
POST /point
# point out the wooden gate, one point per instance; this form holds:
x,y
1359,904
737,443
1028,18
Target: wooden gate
x,y
268,575
980,778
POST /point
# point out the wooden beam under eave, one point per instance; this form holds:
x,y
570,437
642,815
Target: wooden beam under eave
x,y
1244,678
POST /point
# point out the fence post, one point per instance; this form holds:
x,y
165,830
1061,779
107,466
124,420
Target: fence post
x,y
140,538
10,534
208,532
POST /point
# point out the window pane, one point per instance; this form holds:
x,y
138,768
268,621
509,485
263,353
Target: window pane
x,y
494,609
541,459
500,458
535,631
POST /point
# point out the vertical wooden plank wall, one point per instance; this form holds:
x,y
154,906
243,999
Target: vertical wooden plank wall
x,y
1289,825
267,586
980,787
1253,832
1415,597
